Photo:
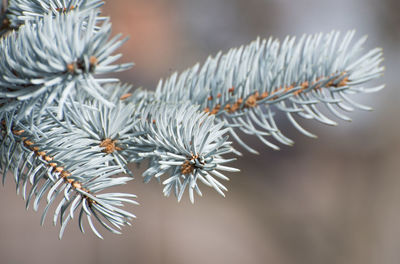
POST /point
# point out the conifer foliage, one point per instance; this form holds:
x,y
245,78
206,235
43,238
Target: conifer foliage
x,y
67,135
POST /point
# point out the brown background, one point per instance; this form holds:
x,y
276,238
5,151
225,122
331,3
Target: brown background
x,y
331,200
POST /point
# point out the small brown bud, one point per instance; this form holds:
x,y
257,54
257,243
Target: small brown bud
x,y
93,61
125,96
71,67
65,174
59,169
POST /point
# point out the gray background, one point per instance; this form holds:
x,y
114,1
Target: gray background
x,y
331,200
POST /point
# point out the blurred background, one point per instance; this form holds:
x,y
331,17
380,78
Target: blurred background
x,y
331,200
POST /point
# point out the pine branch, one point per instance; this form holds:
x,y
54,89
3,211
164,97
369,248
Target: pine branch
x,y
247,86
66,135
78,156
185,144
57,69
22,11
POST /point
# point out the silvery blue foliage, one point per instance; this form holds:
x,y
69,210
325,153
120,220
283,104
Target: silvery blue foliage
x,y
248,85
62,56
22,11
100,122
66,136
64,164
187,145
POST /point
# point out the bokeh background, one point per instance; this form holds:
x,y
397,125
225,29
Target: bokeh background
x,y
331,200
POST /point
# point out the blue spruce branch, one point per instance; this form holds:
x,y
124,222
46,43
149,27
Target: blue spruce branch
x,y
75,157
62,55
66,135
247,86
185,142
20,12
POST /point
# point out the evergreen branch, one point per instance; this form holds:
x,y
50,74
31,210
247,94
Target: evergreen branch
x,y
56,69
246,86
22,11
71,157
65,134
111,129
184,143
